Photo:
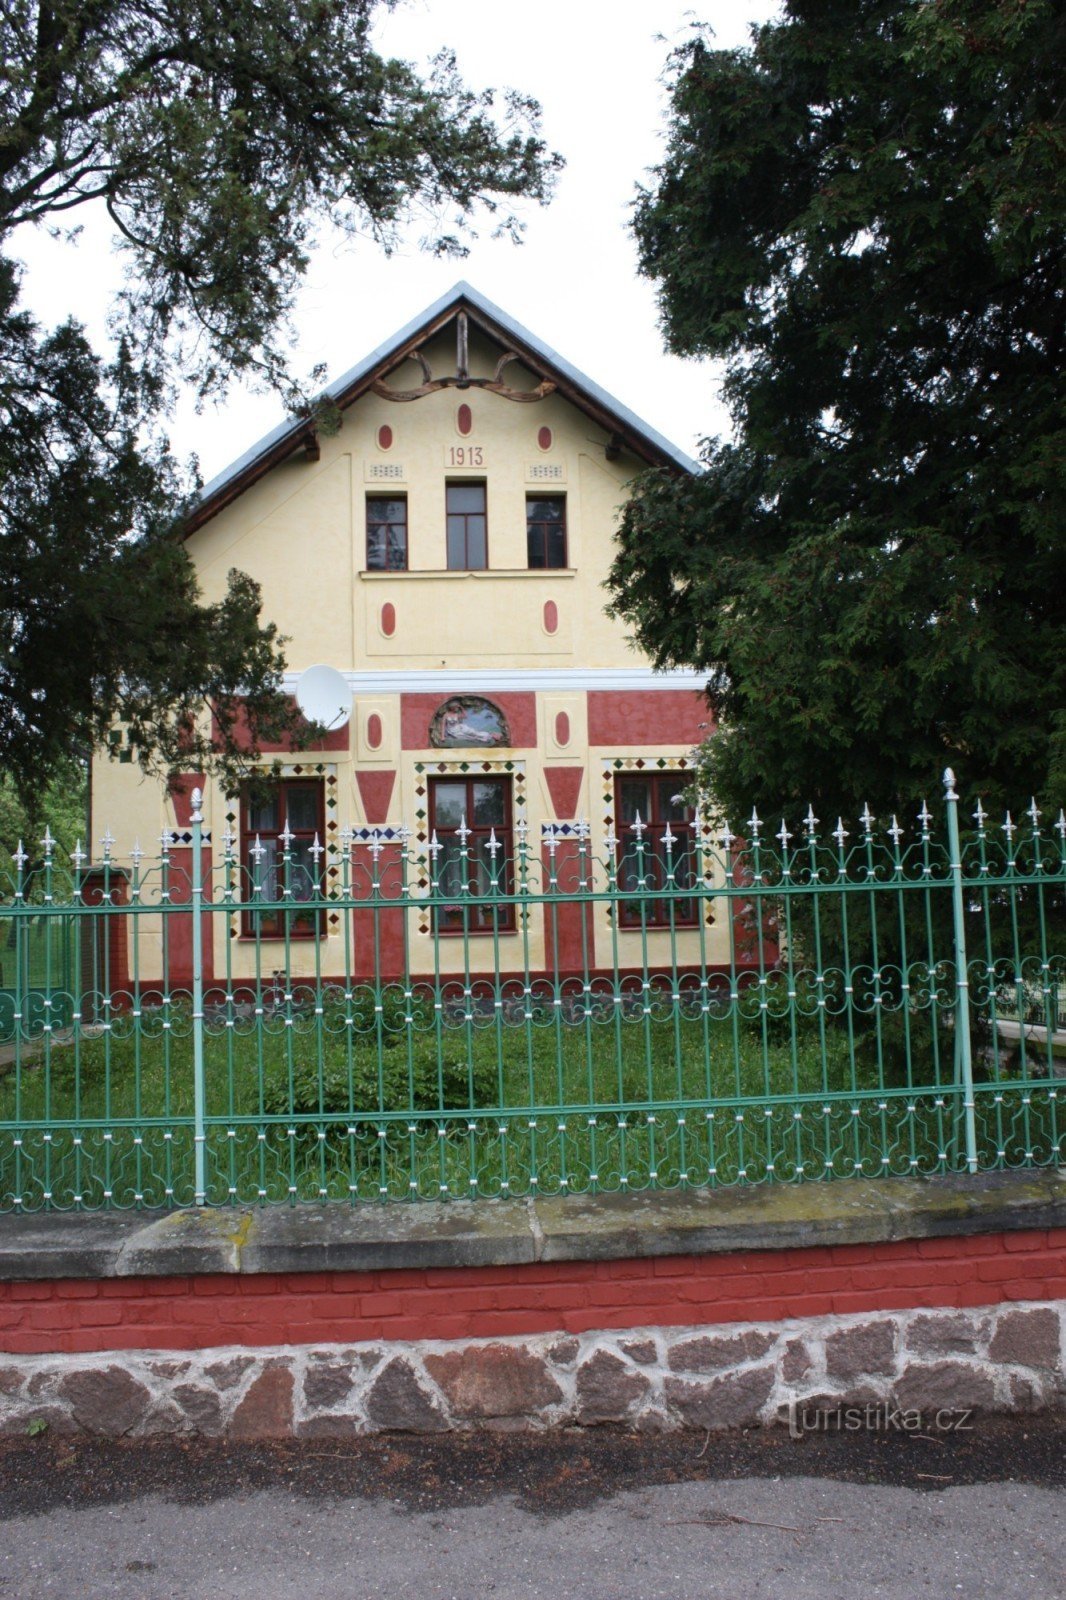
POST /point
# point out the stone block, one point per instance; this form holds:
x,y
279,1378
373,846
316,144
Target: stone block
x,y
227,1374
712,1353
869,1347
944,1385
396,1400
265,1411
493,1380
608,1388
106,1401
1028,1339
796,1362
942,1333
732,1401
644,1351
201,1408
326,1383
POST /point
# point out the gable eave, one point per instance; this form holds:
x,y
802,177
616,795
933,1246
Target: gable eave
x,y
276,446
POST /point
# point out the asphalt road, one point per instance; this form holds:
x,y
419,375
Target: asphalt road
x,y
606,1516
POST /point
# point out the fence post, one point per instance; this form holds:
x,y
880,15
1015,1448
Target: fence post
x,y
963,1050
196,896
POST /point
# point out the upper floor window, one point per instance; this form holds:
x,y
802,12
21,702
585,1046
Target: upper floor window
x,y
546,530
386,534
282,868
468,549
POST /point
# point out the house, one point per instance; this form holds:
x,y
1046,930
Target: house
x,y
445,550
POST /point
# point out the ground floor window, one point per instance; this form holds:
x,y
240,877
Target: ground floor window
x,y
471,818
285,819
657,844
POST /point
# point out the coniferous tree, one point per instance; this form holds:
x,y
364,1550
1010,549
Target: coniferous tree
x,y
863,215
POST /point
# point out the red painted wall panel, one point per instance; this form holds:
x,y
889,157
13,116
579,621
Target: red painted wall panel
x,y
648,717
336,739
417,712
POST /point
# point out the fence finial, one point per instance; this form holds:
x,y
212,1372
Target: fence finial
x,y
196,800
949,785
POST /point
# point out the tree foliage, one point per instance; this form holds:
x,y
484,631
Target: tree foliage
x,y
863,214
219,138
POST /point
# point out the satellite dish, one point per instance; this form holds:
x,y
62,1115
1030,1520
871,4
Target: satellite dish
x,y
323,695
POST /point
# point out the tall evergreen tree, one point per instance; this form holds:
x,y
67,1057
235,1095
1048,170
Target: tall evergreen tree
x,y
218,137
863,214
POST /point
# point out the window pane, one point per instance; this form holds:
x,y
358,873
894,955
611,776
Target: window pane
x,y
302,808
386,534
450,868
634,797
449,804
263,813
489,807
466,497
556,546
535,545
265,871
487,867
375,549
386,510
672,803
456,543
302,870
476,551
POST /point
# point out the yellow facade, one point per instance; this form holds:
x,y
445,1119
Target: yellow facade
x,y
535,643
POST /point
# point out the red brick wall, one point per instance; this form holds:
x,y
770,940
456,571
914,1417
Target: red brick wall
x,y
74,1315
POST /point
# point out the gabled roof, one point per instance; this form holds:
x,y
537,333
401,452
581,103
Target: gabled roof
x,y
620,423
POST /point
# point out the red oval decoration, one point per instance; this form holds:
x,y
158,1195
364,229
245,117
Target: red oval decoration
x,y
562,728
388,619
384,437
544,438
551,616
464,419
373,730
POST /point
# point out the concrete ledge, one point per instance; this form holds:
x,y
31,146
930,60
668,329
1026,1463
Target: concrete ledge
x,y
505,1233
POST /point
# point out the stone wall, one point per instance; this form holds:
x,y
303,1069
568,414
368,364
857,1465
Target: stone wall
x,y
925,1368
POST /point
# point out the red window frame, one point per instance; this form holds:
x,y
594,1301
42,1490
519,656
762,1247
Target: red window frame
x,y
272,924
679,912
463,916
537,532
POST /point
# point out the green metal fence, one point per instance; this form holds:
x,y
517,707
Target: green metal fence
x,y
392,1017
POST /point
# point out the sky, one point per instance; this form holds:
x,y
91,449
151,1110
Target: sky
x,y
596,67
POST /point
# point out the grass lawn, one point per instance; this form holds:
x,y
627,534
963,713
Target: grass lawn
x,y
355,1104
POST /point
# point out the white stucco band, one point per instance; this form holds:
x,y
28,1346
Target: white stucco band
x,y
442,680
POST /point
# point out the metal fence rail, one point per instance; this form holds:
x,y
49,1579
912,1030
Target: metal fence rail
x,y
389,1017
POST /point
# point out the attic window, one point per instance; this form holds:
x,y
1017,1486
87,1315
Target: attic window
x,y
467,527
386,534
